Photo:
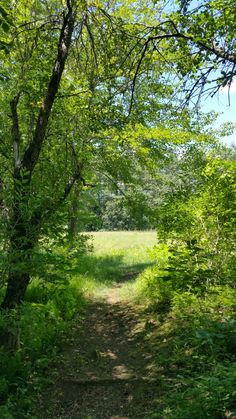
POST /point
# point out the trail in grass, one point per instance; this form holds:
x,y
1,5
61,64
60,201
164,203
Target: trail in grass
x,y
106,370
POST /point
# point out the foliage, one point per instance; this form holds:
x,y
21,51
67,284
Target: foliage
x,y
40,328
198,43
195,354
206,218
191,291
209,27
119,207
136,202
6,24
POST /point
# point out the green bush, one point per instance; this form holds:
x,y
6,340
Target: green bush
x,y
195,347
210,395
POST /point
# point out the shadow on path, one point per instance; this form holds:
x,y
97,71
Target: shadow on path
x,y
105,371
108,268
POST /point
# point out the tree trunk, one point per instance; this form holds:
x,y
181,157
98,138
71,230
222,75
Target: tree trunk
x,y
16,288
22,241
25,227
73,217
72,222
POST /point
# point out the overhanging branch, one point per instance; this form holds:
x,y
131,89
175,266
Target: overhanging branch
x,y
169,30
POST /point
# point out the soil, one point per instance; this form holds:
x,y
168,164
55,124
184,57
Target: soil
x,y
106,370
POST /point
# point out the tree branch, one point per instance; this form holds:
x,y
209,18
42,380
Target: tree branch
x,y
72,94
166,33
47,208
76,176
32,153
136,75
15,129
216,50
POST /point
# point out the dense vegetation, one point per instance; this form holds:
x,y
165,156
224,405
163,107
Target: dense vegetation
x,y
98,132
192,288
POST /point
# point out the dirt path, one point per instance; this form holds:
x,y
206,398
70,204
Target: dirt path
x,y
106,371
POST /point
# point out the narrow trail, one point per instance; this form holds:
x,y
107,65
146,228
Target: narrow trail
x,y
106,371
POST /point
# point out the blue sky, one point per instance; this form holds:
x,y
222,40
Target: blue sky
x,y
220,103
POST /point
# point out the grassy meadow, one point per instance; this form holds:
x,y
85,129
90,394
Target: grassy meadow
x,y
133,242
114,254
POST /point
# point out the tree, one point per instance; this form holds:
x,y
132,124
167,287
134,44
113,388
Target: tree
x,y
209,30
68,77
25,226
49,155
5,25
197,217
198,41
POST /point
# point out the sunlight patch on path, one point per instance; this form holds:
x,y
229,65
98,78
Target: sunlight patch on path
x,y
106,369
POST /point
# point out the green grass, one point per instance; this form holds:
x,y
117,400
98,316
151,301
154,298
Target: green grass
x,y
129,250
115,254
106,242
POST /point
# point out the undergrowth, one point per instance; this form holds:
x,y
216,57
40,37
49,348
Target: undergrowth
x,y
32,335
39,327
56,297
194,337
